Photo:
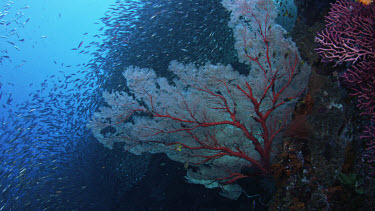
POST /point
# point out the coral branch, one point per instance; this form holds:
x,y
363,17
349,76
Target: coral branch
x,y
349,35
212,117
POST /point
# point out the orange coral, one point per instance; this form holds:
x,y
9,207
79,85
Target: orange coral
x,y
365,2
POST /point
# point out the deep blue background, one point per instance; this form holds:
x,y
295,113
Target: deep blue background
x,y
48,158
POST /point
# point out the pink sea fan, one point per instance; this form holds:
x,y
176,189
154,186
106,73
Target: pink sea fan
x,y
349,35
360,79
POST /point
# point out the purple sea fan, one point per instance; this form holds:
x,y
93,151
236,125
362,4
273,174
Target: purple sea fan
x,y
369,135
349,34
360,79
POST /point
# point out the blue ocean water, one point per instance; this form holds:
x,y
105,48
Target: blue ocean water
x,y
57,58
48,91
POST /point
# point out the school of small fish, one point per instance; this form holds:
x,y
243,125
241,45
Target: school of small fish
x,y
46,150
49,160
